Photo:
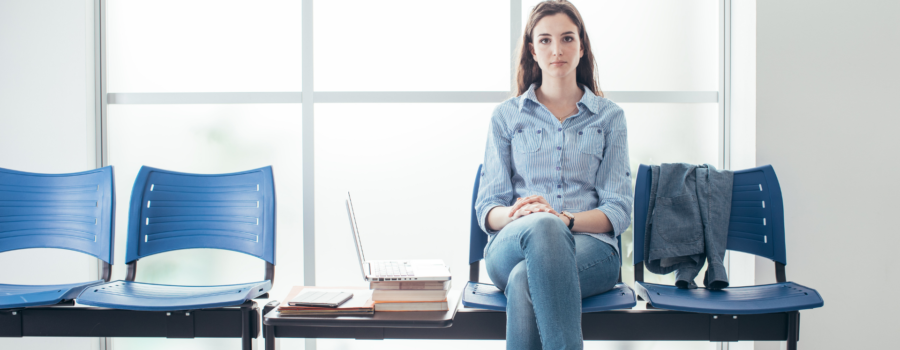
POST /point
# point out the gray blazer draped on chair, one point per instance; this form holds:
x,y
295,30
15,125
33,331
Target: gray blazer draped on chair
x,y
690,206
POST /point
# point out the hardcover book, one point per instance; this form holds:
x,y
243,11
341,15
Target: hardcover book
x,y
411,306
413,285
409,295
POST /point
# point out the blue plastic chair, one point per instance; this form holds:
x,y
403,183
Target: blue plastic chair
x,y
65,211
486,296
756,227
172,211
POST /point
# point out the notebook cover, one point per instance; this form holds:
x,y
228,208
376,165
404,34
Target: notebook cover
x,y
489,297
349,305
334,298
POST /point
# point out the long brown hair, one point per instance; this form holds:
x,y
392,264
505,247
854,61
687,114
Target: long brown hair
x,y
528,71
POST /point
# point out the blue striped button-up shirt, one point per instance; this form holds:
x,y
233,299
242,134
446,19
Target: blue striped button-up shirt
x,y
578,165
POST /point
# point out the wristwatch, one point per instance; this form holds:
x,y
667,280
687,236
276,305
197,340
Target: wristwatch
x,y
571,219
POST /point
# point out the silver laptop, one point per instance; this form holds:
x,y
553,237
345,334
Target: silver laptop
x,y
395,270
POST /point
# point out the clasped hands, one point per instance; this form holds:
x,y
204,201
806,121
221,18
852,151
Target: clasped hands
x,y
533,204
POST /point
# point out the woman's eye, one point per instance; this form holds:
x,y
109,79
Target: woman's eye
x,y
544,41
569,39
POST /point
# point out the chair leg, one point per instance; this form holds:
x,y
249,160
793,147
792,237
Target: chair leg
x,y
793,330
246,336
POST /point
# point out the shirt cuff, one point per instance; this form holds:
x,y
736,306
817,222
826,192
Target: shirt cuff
x,y
616,217
482,221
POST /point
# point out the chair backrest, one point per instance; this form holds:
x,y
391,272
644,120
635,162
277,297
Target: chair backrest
x,y
756,225
171,211
477,237
66,211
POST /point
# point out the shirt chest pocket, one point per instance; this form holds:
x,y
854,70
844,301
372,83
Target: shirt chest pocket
x,y
590,140
527,140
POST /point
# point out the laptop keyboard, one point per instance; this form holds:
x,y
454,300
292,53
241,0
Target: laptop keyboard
x,y
391,269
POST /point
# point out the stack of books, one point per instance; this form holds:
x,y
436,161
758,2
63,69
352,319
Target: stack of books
x,y
410,295
361,304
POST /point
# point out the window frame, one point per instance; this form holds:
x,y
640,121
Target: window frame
x,y
308,97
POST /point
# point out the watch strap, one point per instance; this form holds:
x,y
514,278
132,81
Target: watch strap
x,y
571,219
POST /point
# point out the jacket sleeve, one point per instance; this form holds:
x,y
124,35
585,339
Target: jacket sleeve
x,y
613,183
496,188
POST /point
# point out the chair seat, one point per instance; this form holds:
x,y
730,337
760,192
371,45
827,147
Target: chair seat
x,y
761,299
159,297
16,295
488,296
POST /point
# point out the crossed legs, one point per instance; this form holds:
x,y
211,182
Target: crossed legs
x,y
545,271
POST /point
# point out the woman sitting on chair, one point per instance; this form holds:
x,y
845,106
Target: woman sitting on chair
x,y
556,186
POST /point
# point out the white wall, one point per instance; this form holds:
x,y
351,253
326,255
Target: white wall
x,y
827,120
46,125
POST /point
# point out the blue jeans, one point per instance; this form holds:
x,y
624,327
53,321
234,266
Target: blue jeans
x,y
545,271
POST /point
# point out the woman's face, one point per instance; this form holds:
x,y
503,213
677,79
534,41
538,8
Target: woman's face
x,y
556,46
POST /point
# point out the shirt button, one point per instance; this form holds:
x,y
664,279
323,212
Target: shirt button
x,y
599,131
558,168
558,196
558,147
560,129
520,130
579,133
539,131
627,173
558,186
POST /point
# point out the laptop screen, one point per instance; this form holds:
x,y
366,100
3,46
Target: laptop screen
x,y
355,230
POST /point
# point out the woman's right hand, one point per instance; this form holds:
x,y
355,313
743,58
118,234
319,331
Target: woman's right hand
x,y
533,207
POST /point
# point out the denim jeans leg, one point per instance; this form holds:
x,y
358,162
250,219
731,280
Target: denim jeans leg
x,y
598,265
547,249
598,271
521,324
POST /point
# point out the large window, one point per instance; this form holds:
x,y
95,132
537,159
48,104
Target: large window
x,y
395,111
411,45
203,46
178,52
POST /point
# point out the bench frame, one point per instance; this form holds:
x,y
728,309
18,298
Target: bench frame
x,y
621,325
67,320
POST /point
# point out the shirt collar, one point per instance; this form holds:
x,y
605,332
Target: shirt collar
x,y
589,100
